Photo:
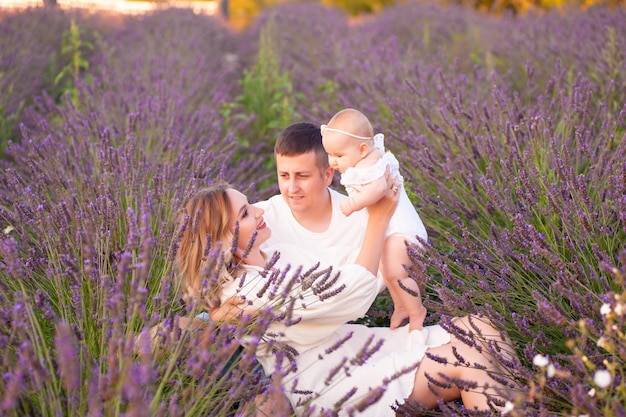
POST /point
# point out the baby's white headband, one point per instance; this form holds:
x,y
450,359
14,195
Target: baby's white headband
x,y
330,129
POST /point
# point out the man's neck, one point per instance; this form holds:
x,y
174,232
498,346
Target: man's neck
x,y
317,219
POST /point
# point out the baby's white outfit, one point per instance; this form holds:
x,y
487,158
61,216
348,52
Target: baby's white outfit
x,y
405,220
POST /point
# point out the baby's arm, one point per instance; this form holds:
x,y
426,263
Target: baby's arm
x,y
366,195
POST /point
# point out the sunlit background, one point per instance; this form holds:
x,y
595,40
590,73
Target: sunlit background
x,y
240,13
121,6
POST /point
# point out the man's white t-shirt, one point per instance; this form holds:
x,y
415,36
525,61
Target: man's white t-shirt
x,y
343,237
343,231
338,245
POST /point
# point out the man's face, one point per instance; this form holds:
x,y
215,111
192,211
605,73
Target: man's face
x,y
302,184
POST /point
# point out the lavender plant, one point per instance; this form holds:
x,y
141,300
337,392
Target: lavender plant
x,y
88,213
513,150
319,28
524,197
73,46
532,236
24,60
267,95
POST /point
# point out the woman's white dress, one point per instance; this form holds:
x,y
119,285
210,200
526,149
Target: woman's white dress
x,y
327,372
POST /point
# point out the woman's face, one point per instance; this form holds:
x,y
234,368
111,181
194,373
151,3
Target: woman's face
x,y
249,218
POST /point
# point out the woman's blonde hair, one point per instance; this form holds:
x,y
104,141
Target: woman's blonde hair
x,y
204,245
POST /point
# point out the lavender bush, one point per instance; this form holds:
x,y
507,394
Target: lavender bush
x,y
25,64
31,60
88,219
510,133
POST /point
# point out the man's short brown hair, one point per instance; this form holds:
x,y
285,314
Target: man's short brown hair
x,y
300,138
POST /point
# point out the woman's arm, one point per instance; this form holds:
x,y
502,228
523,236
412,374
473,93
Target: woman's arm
x,y
359,285
379,215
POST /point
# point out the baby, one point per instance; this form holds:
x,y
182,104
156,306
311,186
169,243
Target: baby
x,y
360,156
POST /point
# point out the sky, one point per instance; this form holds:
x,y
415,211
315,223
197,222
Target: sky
x,y
113,5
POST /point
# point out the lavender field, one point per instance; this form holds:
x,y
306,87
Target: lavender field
x,y
511,133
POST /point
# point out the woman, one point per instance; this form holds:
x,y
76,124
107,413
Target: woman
x,y
335,366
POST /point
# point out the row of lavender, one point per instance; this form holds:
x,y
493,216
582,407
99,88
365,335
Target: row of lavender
x,y
512,136
510,131
90,194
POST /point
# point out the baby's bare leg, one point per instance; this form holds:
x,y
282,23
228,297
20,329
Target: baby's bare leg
x,y
407,304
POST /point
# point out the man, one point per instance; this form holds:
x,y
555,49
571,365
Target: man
x,y
306,213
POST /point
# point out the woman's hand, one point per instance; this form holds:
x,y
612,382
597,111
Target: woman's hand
x,y
385,207
379,215
230,311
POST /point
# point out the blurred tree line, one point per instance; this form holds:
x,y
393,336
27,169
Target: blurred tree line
x,y
240,13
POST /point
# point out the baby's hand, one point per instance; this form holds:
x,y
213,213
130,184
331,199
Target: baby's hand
x,y
346,209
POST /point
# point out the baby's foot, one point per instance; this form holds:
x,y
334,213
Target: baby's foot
x,y
398,318
416,320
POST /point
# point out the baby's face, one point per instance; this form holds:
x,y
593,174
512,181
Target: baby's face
x,y
343,151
